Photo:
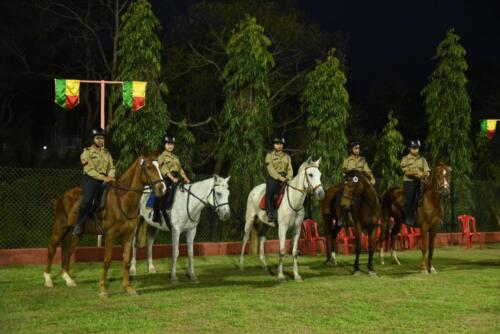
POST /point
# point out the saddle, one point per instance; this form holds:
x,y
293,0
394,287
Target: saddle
x,y
278,198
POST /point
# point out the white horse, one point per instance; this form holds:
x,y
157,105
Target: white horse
x,y
189,201
290,213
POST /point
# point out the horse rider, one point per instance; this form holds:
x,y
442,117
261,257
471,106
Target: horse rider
x,y
415,169
279,170
354,162
98,169
171,169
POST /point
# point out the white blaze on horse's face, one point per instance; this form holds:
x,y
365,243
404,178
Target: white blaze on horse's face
x,y
220,197
313,179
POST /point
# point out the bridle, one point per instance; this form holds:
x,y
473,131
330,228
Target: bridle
x,y
205,201
310,189
442,184
149,183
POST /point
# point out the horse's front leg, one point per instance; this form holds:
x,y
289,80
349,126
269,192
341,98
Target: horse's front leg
x,y
190,234
108,250
425,243
175,254
394,235
282,238
133,261
295,251
358,249
371,246
152,232
432,236
127,243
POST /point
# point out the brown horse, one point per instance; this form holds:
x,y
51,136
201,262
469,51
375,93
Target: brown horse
x,y
360,196
119,220
429,214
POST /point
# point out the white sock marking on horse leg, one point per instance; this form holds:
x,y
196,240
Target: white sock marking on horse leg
x,y
68,279
48,280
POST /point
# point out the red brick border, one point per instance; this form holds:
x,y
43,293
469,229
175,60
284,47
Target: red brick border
x,y
87,254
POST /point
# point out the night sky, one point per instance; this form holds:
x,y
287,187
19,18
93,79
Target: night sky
x,y
395,39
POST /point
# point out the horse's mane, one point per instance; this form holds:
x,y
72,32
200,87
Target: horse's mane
x,y
369,189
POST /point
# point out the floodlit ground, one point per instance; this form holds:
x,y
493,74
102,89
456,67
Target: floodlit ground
x,y
463,297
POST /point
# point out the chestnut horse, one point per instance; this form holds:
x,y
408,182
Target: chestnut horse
x,y
119,220
362,199
429,214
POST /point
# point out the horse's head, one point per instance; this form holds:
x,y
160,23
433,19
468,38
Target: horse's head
x,y
355,184
219,198
312,179
151,175
441,179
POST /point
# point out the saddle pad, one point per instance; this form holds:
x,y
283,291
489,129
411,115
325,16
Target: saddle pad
x,y
151,200
277,200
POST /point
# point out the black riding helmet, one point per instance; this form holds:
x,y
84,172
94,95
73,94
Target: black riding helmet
x,y
414,143
278,140
97,132
352,145
168,138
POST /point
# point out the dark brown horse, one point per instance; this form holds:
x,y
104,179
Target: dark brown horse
x,y
429,214
360,196
119,220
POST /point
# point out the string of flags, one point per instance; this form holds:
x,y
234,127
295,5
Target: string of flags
x,y
67,93
488,127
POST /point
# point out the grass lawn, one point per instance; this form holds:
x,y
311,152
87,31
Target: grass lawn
x,y
464,297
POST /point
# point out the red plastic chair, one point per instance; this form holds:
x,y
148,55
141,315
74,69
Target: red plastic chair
x,y
311,235
467,221
410,236
342,237
417,236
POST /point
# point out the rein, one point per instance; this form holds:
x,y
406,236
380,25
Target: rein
x,y
139,190
309,190
214,207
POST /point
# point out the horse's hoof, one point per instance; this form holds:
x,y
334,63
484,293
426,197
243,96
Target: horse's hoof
x,y
131,292
194,280
433,271
357,273
265,268
103,294
281,280
330,263
48,284
71,283
382,263
424,271
152,270
132,272
372,273
298,279
174,281
241,268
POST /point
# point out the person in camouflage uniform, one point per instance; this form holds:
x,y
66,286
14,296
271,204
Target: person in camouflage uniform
x,y
354,162
171,169
415,169
98,169
279,170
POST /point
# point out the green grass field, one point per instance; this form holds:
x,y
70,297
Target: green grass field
x,y
464,297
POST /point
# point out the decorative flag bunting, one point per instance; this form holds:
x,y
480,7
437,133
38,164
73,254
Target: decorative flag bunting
x,y
67,93
134,94
488,127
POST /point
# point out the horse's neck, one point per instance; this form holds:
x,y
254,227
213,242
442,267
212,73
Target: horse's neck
x,y
130,179
297,198
200,189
